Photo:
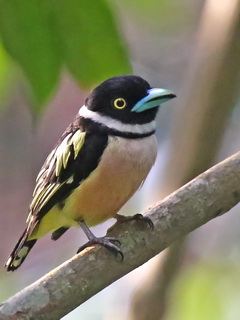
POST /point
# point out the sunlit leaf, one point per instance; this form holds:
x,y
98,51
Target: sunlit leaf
x,y
28,35
91,45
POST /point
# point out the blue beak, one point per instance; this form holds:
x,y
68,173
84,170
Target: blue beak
x,y
154,98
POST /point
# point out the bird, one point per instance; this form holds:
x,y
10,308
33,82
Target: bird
x,y
100,161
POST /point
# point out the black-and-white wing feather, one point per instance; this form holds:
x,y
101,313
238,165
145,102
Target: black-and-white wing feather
x,y
75,156
56,171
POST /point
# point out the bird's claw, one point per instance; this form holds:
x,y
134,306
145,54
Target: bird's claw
x,y
138,216
107,242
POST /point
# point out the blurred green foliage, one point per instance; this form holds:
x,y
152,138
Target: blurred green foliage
x,y
45,35
165,15
206,292
5,74
29,38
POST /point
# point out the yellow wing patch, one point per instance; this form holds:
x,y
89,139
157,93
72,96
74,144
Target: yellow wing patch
x,y
42,197
78,140
63,152
57,161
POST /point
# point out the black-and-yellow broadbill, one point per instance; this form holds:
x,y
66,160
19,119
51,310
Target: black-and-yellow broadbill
x,y
100,161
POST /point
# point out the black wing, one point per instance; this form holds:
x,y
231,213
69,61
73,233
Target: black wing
x,y
75,156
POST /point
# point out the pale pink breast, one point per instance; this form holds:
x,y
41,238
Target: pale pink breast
x,y
124,166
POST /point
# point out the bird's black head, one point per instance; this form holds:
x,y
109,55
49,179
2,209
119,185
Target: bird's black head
x,y
128,99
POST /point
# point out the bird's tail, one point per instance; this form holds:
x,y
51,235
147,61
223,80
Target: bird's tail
x,y
20,252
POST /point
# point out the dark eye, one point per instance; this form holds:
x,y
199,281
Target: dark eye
x,y
119,103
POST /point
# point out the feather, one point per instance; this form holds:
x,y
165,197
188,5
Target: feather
x,y
48,180
78,140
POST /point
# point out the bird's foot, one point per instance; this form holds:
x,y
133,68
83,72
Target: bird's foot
x,y
108,242
139,217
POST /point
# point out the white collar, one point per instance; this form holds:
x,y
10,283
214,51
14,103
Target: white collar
x,y
116,124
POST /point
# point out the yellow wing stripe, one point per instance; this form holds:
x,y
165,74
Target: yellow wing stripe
x,y
51,190
62,155
59,159
64,150
78,140
43,197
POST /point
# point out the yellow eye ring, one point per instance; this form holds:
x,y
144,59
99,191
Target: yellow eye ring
x,y
119,103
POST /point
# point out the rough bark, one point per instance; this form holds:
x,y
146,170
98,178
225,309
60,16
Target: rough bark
x,y
209,195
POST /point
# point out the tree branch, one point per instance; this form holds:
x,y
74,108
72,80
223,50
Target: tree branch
x,y
150,300
209,195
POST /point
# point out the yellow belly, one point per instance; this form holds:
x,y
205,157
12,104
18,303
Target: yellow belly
x,y
124,166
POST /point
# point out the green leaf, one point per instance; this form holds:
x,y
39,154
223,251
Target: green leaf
x,y
41,35
29,35
91,44
5,76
